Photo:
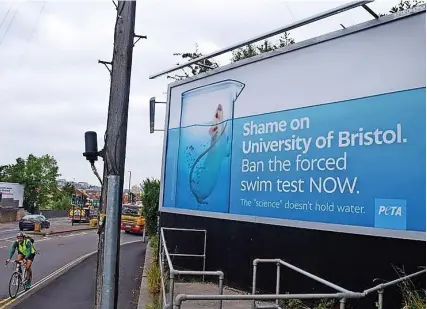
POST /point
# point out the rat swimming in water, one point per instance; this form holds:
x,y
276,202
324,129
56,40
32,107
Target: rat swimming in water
x,y
203,178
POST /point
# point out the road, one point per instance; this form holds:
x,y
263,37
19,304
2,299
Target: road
x,y
76,288
55,251
9,230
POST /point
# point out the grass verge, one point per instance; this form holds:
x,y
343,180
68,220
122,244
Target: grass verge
x,y
412,298
153,276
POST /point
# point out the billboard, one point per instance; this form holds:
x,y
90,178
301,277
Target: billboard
x,y
328,134
12,195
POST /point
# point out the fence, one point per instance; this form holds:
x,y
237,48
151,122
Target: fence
x,y
54,213
164,252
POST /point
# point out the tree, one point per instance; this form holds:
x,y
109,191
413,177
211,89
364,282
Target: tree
x,y
244,52
150,190
68,189
38,175
404,5
237,55
194,69
264,47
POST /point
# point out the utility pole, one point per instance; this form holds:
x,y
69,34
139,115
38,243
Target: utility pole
x,y
114,151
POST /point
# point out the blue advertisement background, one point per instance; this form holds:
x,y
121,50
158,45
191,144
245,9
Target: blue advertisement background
x,y
394,172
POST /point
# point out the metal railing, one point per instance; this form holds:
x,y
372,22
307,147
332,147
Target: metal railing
x,y
342,294
164,252
378,288
280,263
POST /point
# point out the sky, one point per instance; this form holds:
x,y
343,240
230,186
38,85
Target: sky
x,y
52,89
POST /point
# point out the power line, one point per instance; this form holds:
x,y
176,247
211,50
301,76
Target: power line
x,y
5,16
11,22
33,30
29,39
289,9
37,21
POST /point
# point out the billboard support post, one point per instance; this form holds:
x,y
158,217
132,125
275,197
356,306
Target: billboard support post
x,y
153,103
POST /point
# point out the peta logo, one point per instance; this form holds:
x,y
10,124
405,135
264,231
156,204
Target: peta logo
x,y
390,210
390,214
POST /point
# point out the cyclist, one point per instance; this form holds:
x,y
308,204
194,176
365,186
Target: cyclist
x,y
26,253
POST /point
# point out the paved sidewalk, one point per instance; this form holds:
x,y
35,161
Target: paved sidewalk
x,y
62,229
194,288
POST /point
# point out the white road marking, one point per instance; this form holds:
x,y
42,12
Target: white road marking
x,y
5,231
73,234
7,238
58,271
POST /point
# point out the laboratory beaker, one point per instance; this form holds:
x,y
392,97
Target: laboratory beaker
x,y
206,129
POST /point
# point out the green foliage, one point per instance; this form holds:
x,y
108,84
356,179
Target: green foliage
x,y
61,202
266,46
245,52
153,278
404,5
150,190
154,243
157,302
68,189
38,175
412,297
299,304
237,55
195,69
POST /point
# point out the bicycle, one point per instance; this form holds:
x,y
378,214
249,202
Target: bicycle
x,y
18,278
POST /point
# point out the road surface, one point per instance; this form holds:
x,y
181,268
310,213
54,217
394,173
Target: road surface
x,y
76,288
10,230
55,252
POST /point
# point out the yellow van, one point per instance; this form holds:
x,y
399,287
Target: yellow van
x,y
132,219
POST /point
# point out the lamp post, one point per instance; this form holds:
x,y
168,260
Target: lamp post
x,y
130,175
129,196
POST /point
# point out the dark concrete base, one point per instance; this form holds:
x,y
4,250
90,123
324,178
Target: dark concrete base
x,y
351,261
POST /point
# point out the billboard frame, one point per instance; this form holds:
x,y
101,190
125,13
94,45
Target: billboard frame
x,y
358,230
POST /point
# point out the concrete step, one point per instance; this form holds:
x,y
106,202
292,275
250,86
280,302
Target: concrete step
x,y
197,288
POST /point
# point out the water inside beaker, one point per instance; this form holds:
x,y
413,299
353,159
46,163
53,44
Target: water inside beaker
x,y
205,142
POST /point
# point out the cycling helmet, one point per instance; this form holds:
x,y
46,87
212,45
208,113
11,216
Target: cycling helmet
x,y
20,235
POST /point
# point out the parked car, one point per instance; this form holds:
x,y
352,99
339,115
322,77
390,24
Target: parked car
x,y
28,222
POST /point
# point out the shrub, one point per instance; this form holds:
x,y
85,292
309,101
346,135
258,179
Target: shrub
x,y
150,201
153,278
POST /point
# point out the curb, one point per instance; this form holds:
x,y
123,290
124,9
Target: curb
x,y
60,232
11,303
144,295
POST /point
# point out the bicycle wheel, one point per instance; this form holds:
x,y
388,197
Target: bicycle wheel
x,y
15,283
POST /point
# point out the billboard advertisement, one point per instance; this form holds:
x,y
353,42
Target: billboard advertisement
x,y
12,194
318,136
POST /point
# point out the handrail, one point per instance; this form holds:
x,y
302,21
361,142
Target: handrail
x,y
184,297
340,295
378,288
173,272
393,282
165,248
302,22
303,272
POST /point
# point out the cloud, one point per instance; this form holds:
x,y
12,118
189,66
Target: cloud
x,y
52,88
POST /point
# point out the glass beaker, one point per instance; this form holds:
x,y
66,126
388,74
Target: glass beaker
x,y
206,129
